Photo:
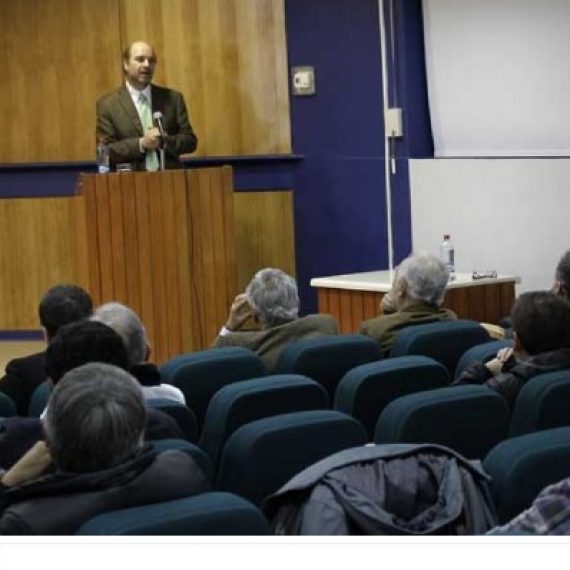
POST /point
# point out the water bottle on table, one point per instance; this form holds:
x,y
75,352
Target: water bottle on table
x,y
447,255
102,157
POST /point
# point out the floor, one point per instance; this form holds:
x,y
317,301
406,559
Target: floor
x,y
15,349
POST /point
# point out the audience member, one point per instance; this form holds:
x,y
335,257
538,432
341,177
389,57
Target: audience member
x,y
93,459
127,324
415,299
561,284
548,514
74,345
59,306
541,332
271,299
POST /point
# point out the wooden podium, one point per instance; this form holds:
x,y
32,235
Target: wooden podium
x,y
163,243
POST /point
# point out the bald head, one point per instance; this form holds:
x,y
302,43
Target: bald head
x,y
139,62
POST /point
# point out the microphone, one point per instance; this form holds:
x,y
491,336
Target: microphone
x,y
157,116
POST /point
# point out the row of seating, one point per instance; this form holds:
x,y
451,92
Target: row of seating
x,y
398,399
265,454
326,360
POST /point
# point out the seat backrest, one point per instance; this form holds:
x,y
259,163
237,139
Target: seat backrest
x,y
7,406
39,399
243,402
480,353
366,390
542,403
263,455
198,455
207,514
520,467
444,341
469,419
183,415
201,374
327,359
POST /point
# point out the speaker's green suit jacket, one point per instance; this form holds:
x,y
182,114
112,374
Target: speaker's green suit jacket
x,y
119,125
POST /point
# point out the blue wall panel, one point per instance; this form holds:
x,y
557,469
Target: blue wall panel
x,y
339,187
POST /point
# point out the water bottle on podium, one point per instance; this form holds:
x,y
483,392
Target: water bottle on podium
x,y
447,255
102,157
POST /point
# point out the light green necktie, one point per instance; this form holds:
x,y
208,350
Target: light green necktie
x,y
151,160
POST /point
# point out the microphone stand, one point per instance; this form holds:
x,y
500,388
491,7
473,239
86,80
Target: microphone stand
x,y
161,157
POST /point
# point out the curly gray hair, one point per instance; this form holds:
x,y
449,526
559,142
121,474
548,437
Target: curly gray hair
x,y
426,278
272,294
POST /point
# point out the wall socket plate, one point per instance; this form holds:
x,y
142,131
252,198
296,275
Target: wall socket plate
x,y
303,80
393,122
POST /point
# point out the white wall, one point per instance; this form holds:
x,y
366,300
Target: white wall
x,y
498,78
512,215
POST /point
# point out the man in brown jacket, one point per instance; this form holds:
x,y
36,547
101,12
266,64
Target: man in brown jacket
x,y
125,117
415,299
271,299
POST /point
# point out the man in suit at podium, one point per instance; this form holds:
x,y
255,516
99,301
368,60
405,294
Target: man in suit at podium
x,y
140,118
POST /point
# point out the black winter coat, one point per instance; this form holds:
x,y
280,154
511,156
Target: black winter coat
x,y
60,503
389,489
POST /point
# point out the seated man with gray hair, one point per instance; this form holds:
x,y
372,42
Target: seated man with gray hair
x,y
93,459
415,299
127,324
271,299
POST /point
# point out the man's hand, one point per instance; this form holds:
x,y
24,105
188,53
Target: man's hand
x,y
240,311
151,139
495,366
30,466
505,353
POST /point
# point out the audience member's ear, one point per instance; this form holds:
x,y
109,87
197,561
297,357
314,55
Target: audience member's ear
x,y
518,348
400,291
558,288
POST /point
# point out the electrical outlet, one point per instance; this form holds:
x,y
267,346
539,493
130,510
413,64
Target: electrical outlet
x,y
303,80
393,122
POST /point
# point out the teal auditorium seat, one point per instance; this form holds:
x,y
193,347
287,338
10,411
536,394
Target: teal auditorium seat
x,y
263,455
468,419
327,359
443,341
212,514
243,402
198,455
39,399
201,374
183,415
521,467
480,353
542,403
7,407
366,390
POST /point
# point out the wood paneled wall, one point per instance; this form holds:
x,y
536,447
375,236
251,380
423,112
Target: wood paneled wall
x,y
228,57
43,245
264,233
58,56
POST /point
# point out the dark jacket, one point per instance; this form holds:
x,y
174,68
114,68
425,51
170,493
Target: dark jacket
x,y
516,373
60,502
17,435
23,376
385,489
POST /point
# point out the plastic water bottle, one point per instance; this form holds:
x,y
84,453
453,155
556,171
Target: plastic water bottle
x,y
447,255
102,157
